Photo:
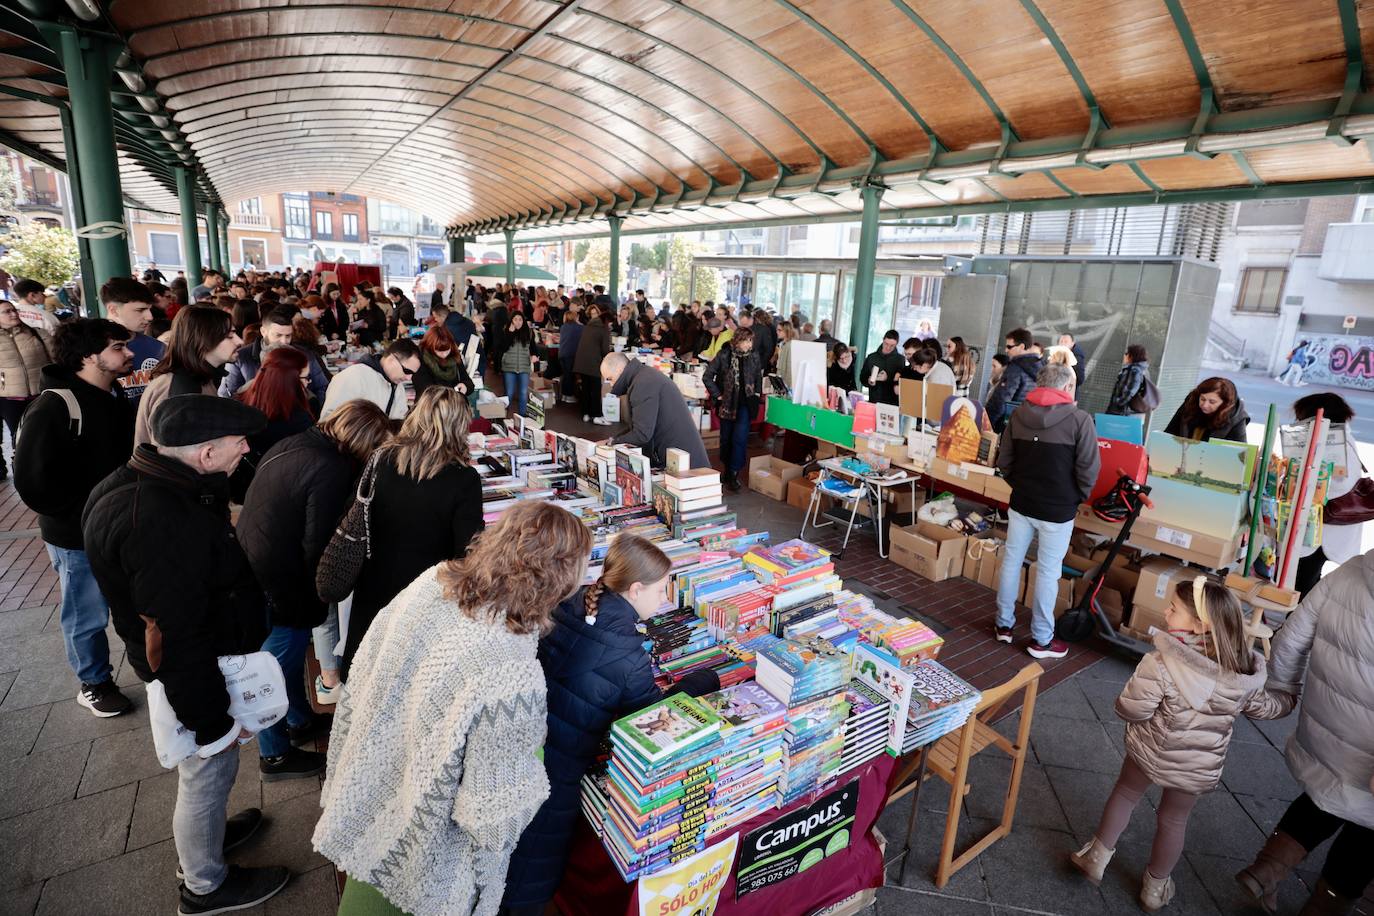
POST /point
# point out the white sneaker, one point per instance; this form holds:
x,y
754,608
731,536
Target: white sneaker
x,y
326,696
602,421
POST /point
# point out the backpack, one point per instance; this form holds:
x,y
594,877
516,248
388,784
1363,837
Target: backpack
x,y
73,411
1146,399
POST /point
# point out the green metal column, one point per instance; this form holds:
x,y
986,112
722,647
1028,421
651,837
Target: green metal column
x,y
457,250
614,289
90,290
190,235
212,235
88,62
510,256
222,240
862,308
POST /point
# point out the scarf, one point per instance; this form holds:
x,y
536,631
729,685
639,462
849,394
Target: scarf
x,y
445,371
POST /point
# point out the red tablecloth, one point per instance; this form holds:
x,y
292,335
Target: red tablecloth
x,y
592,887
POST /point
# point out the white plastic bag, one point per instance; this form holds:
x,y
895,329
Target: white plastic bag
x,y
610,407
257,700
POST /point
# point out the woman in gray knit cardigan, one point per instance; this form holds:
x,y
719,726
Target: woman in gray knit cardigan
x,y
434,768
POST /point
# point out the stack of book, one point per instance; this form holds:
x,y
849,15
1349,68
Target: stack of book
x,y
680,643
911,641
940,703
688,495
750,763
658,786
809,677
865,728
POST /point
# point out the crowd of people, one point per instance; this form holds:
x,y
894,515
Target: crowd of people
x,y
472,674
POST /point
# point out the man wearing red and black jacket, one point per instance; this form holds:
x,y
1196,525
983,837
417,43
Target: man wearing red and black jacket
x,y
1048,453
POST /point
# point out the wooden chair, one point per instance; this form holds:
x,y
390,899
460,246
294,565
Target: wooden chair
x,y
949,759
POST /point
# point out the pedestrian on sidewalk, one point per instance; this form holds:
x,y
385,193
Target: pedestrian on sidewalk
x,y
78,430
24,351
182,594
734,380
1180,708
1048,454
1325,653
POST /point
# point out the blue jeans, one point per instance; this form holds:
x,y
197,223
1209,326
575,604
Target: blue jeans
x,y
326,637
287,645
1049,565
198,819
517,389
84,616
734,437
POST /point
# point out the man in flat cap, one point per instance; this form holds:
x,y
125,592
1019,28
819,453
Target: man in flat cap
x,y
182,594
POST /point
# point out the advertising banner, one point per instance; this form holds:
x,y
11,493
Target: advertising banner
x,y
797,841
692,886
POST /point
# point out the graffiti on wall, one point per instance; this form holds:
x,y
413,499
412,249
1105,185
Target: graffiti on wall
x,y
1340,360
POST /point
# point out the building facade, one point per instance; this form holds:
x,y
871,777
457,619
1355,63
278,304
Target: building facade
x,y
41,194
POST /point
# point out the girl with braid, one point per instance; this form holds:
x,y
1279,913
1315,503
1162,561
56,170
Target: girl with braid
x,y
597,671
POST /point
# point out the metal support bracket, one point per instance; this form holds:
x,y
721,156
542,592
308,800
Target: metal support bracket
x,y
1204,113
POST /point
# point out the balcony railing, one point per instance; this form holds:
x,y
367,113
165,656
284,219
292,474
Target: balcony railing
x,y
252,221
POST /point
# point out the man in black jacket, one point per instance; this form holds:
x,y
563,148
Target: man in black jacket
x,y
881,370
659,418
1049,456
60,455
178,607
1018,379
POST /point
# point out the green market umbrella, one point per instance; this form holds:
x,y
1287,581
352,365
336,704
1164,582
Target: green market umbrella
x,y
522,272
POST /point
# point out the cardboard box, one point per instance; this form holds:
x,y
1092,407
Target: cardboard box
x,y
492,410
956,475
825,449
997,490
1190,546
799,492
1154,591
770,476
929,550
539,383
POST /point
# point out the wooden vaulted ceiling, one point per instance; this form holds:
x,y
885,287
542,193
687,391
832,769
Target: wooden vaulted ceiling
x,y
522,113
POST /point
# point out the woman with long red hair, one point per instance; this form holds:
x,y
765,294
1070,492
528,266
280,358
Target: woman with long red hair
x,y
441,364
279,391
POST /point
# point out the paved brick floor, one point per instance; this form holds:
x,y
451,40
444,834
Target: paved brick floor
x,y
85,809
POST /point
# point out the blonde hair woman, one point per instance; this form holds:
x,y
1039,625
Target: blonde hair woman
x,y
433,761
426,506
597,670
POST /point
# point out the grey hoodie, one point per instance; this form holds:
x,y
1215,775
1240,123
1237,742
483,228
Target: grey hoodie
x,y
1180,708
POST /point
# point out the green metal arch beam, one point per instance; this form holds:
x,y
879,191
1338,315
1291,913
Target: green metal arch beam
x,y
931,139
348,130
1062,50
1008,132
535,192
780,64
245,39
672,85
1244,162
1204,79
821,157
388,8
1140,173
1354,68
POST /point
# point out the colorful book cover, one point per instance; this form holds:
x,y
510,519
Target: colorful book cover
x,y
745,706
667,727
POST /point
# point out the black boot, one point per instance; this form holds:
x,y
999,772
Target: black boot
x,y
731,481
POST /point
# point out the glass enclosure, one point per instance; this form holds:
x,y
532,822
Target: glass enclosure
x,y
768,290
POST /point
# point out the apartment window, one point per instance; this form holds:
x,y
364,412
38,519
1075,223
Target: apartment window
x,y
324,224
251,206
350,226
1261,290
164,248
297,218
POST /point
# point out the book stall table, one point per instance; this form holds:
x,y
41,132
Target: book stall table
x,y
869,486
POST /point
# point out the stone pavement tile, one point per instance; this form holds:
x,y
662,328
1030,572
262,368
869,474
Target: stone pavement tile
x,y
18,652
157,795
1102,697
56,840
143,881
1083,795
1116,733
1218,877
20,901
120,759
1074,744
39,684
899,901
41,779
1037,805
1115,668
1121,883
1245,731
285,838
24,622
1066,701
925,852
1219,822
1030,869
69,721
1279,730
19,729
6,681
1253,769
314,893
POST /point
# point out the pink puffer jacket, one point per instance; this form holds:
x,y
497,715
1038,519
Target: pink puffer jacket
x,y
1180,708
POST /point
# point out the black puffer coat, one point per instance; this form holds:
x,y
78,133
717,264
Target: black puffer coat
x,y
596,674
302,488
180,590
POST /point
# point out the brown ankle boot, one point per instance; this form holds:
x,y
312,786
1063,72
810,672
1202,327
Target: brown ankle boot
x,y
1326,902
1261,879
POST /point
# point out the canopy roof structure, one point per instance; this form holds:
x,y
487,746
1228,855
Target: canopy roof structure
x,y
531,114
